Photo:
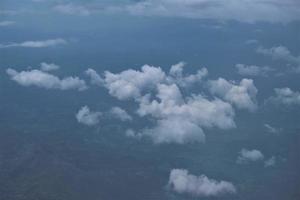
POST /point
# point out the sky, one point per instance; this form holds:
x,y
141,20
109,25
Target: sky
x,y
149,99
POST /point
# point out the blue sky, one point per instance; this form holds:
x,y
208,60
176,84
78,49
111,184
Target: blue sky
x,y
150,99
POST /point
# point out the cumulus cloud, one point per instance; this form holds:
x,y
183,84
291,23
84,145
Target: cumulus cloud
x,y
43,79
245,11
252,70
181,119
36,44
7,23
286,96
120,113
178,118
49,67
131,83
176,75
249,156
270,162
182,182
72,9
281,53
242,95
96,79
87,117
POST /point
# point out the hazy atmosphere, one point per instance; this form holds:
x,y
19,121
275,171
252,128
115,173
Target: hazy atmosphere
x,y
149,99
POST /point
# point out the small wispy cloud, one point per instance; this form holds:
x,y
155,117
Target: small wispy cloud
x,y
7,23
36,43
72,9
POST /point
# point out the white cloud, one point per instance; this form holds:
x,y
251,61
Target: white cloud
x,y
181,119
252,70
281,53
270,162
95,77
242,95
182,182
87,117
45,80
175,130
36,44
176,75
72,9
240,10
178,118
6,23
271,129
120,113
131,83
49,67
249,156
286,96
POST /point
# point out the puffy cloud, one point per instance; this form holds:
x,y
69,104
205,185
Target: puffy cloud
x,y
96,79
36,44
87,117
242,95
178,119
244,11
182,182
286,96
175,130
131,83
176,75
49,67
120,113
252,70
6,23
249,156
72,9
270,162
45,80
181,119
281,53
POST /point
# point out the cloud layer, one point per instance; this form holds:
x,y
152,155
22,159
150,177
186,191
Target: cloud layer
x,y
241,10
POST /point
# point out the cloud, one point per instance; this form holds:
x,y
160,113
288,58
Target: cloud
x,y
6,23
270,162
175,130
72,9
245,11
182,182
176,75
286,96
177,118
180,119
36,44
43,79
252,70
131,83
120,113
242,95
49,67
271,129
249,156
281,53
87,117
95,77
